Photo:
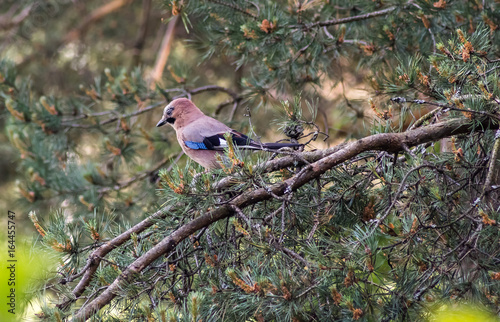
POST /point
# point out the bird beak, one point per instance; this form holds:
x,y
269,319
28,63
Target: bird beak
x,y
162,122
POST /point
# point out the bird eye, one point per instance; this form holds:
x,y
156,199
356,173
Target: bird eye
x,y
170,110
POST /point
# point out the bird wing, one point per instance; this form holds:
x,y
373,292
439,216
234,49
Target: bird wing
x,y
218,142
208,134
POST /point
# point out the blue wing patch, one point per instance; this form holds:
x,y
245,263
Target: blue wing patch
x,y
196,145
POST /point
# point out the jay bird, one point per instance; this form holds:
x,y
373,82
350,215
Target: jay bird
x,y
202,137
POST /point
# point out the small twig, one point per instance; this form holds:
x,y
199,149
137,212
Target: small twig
x,y
298,53
282,233
137,177
241,215
234,7
396,197
113,119
73,277
492,164
308,289
233,110
214,88
349,19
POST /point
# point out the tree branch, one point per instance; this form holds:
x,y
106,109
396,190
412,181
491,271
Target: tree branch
x,y
492,167
162,58
351,19
390,142
229,91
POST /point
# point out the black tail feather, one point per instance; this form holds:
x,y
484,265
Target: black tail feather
x,y
277,146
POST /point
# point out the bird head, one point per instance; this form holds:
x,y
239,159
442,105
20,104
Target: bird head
x,y
179,112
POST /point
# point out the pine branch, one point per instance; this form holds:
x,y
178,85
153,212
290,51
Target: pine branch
x,y
390,142
94,259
